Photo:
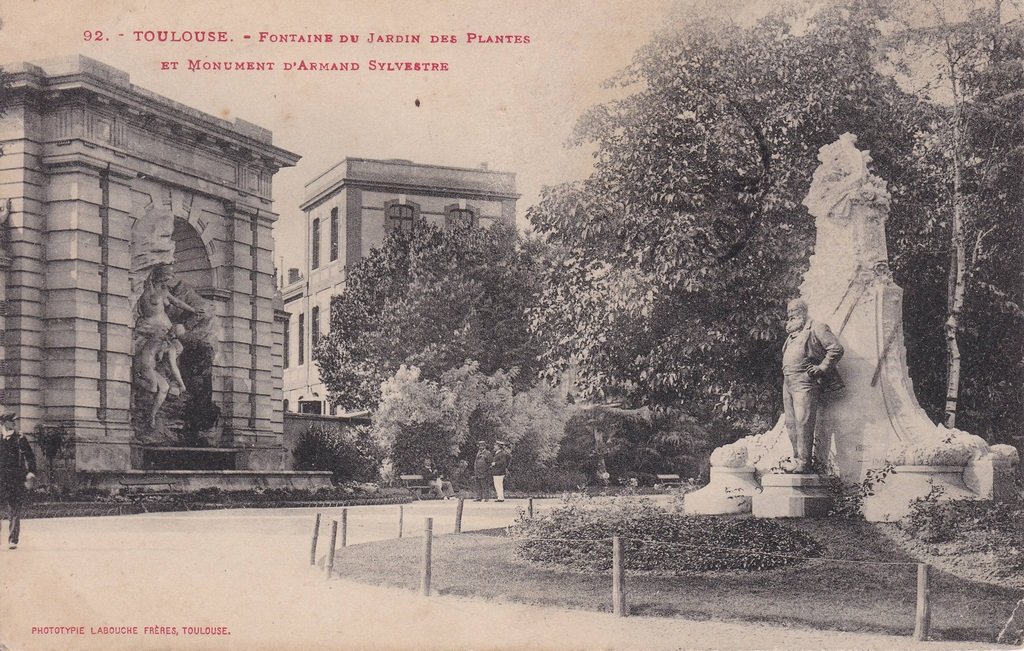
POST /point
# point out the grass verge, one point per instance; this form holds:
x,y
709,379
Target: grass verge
x,y
816,594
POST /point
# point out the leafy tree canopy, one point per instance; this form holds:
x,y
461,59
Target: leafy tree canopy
x,y
442,419
434,300
676,256
674,259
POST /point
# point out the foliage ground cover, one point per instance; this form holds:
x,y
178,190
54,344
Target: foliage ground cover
x,y
659,540
817,594
976,539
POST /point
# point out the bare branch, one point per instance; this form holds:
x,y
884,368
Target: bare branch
x,y
977,246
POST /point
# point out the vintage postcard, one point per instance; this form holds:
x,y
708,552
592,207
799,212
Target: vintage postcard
x,y
461,324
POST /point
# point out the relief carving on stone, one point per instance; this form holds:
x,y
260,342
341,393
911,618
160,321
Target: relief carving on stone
x,y
174,341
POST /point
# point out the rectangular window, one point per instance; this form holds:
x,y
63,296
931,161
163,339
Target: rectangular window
x,y
287,342
302,339
460,217
334,234
315,253
400,218
314,326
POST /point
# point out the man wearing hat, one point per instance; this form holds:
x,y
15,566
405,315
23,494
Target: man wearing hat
x,y
17,467
482,471
499,468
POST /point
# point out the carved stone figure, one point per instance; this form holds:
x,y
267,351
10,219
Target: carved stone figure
x,y
5,216
175,347
157,340
809,359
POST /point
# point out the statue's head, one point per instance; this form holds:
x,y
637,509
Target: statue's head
x,y
796,315
162,274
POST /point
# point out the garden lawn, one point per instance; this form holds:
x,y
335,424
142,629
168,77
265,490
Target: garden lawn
x,y
817,594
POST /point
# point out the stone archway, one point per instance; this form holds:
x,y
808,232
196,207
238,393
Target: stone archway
x,y
176,338
191,262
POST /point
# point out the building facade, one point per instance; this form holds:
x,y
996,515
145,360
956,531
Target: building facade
x,y
109,194
348,211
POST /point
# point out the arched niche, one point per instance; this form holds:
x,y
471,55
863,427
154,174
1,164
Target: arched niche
x,y
191,261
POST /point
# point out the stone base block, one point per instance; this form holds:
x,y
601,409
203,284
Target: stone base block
x,y
101,455
261,459
728,492
893,497
792,496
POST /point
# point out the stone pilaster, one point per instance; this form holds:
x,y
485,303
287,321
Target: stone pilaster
x,y
23,185
86,369
248,407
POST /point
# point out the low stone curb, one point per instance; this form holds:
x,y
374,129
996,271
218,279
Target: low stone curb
x,y
170,504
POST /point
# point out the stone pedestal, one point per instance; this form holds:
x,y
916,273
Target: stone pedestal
x,y
893,497
792,496
729,491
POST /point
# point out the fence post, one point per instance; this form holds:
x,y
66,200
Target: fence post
x,y
458,515
316,534
344,527
428,534
619,606
923,619
401,519
529,508
330,554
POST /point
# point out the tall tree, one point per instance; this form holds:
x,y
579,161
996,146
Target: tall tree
x,y
433,300
965,58
676,256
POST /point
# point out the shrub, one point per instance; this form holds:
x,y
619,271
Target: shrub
x,y
351,455
577,535
546,480
848,499
635,441
933,520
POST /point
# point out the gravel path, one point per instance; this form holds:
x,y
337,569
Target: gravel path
x,y
246,573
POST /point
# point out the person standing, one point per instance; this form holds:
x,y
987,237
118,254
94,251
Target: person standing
x,y
17,468
482,471
499,468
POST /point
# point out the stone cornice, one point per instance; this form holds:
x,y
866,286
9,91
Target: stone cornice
x,y
82,161
52,81
404,177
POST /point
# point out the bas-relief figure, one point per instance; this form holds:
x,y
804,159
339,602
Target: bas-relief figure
x,y
174,344
158,340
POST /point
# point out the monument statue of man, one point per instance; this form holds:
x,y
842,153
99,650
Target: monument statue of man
x,y
809,359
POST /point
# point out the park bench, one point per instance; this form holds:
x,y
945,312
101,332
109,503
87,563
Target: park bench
x,y
417,485
668,480
140,491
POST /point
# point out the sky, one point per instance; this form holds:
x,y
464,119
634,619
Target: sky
x,y
512,106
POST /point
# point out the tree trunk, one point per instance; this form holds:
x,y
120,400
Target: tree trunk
x,y
957,285
602,469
